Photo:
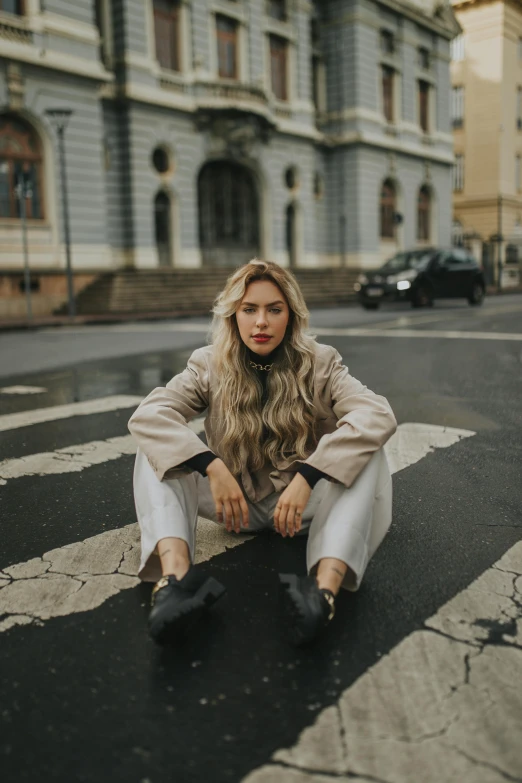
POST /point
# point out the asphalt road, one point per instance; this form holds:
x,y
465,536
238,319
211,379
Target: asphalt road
x,y
85,696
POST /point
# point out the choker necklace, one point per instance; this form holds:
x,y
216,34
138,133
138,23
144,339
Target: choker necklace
x,y
266,367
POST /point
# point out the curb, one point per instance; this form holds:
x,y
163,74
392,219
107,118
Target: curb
x,y
11,325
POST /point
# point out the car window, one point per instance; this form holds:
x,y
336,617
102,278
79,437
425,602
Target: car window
x,y
406,260
443,258
399,261
458,256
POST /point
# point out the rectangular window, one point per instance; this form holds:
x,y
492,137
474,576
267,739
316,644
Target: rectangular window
x,y
279,67
519,49
167,34
458,49
519,108
457,106
388,75
424,100
276,9
227,30
387,42
12,7
458,173
424,59
518,180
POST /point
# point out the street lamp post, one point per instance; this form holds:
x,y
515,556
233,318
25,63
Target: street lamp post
x,y
59,119
24,190
499,241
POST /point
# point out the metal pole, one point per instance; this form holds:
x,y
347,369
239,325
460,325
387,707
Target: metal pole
x,y
499,243
65,204
22,195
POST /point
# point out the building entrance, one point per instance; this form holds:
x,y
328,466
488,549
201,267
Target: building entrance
x,y
228,214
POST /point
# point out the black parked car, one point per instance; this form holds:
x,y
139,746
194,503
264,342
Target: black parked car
x,y
421,276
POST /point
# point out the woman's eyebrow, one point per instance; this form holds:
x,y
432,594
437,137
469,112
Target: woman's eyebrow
x,y
251,304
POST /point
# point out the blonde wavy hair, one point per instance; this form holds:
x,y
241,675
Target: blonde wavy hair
x,y
254,433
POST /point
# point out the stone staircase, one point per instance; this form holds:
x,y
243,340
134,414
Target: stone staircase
x,y
192,291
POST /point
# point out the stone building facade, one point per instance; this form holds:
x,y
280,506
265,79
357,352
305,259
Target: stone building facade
x,y
206,131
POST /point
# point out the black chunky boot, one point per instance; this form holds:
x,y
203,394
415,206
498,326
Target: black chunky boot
x,y
178,604
307,607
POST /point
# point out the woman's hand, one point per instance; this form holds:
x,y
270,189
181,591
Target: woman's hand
x,y
231,507
288,513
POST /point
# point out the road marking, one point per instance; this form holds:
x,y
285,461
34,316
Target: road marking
x,y
411,320
445,704
426,333
72,459
23,390
408,445
13,421
81,576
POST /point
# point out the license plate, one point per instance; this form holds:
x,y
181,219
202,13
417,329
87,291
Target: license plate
x,y
374,291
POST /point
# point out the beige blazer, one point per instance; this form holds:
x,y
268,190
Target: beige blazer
x,y
352,423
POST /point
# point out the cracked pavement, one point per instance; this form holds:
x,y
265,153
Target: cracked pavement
x,y
449,694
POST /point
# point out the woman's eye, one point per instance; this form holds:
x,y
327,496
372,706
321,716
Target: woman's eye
x,y
275,310
248,310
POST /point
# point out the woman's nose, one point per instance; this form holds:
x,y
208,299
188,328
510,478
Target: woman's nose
x,y
261,318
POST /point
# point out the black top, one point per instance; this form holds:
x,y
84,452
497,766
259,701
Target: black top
x,y
201,461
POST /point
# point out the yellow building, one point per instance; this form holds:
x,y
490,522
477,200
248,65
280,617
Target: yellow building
x,y
486,73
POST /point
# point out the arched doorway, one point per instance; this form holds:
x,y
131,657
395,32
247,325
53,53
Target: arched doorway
x,y
228,214
388,210
424,214
163,228
291,234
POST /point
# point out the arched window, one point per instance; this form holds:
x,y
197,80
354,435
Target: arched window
x,y
163,228
20,154
228,214
388,199
424,214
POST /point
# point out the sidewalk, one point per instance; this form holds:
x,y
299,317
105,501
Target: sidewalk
x,y
13,324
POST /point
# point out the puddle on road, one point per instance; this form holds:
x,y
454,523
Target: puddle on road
x,y
90,380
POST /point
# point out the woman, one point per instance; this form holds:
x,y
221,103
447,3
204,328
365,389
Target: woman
x,y
294,443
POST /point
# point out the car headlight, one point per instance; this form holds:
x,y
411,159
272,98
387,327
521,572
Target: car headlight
x,y
403,285
362,279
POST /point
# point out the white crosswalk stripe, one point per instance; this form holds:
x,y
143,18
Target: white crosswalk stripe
x,y
72,459
12,421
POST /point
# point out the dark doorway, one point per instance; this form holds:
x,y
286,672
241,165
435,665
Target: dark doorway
x,y
291,235
228,214
163,228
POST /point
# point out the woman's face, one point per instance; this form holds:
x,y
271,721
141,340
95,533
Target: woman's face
x,y
262,317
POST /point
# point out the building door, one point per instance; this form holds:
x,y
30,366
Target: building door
x,y
163,228
228,214
291,235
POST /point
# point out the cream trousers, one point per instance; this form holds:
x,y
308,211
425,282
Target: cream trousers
x,y
347,523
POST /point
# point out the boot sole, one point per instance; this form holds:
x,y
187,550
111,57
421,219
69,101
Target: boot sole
x,y
183,617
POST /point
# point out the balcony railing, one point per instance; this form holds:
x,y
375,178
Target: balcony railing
x,y
15,30
231,91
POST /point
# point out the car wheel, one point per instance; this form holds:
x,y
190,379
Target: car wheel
x,y
476,296
370,305
422,297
